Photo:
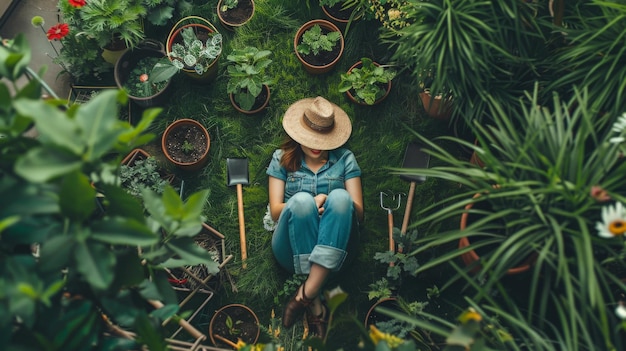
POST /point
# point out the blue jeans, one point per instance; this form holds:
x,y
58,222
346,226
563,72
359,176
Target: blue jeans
x,y
303,237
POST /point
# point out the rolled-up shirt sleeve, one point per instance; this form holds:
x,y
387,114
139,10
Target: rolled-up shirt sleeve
x,y
275,169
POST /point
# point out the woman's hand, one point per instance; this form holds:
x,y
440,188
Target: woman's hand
x,y
320,199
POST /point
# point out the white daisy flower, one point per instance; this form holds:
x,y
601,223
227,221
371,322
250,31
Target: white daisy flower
x,y
620,310
613,221
620,125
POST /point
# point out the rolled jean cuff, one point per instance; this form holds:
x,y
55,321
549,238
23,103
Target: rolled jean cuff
x,y
328,257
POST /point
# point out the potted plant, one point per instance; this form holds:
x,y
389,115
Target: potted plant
x,y
139,170
234,13
48,184
319,45
248,84
194,47
340,12
133,73
233,322
186,143
540,169
115,25
367,82
436,106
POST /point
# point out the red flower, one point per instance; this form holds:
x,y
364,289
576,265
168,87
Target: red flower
x,y
77,3
58,31
143,78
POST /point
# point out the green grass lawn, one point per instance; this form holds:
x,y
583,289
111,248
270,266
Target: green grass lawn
x,y
380,136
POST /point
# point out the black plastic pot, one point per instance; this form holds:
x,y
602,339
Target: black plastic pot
x,y
126,63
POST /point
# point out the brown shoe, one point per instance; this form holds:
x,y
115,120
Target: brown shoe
x,y
318,324
295,308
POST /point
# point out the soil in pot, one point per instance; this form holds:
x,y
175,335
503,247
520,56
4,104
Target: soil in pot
x,y
234,322
186,144
324,57
239,14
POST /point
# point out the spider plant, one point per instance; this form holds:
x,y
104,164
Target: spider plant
x,y
538,183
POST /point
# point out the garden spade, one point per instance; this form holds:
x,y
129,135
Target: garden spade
x,y
238,175
414,157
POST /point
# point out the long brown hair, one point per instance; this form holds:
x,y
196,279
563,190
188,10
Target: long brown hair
x,y
292,156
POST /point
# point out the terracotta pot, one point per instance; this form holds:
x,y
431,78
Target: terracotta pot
x,y
168,143
257,107
236,17
472,258
338,16
211,72
475,159
359,102
244,322
328,27
372,317
128,61
434,106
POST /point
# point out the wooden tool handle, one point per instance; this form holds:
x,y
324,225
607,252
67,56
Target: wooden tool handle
x,y
183,323
407,211
242,225
392,244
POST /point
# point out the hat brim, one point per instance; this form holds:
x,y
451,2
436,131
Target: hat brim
x,y
298,131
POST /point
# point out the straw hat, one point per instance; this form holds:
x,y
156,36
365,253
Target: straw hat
x,y
317,123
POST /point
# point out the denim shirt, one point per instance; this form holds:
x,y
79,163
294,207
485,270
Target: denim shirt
x,y
340,167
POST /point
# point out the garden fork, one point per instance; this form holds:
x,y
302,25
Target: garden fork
x,y
389,209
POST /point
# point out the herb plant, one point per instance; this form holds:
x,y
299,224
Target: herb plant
x,y
142,174
247,75
368,82
314,41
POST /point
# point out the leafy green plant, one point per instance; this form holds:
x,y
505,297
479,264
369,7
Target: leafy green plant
x,y
400,262
402,328
161,11
229,4
367,82
81,58
87,265
139,83
246,74
107,20
232,326
187,147
192,53
142,174
314,41
539,187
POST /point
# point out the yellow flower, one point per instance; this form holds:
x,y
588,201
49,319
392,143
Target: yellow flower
x,y
613,221
394,14
470,315
378,336
240,344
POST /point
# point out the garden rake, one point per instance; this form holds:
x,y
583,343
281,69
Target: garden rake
x,y
396,198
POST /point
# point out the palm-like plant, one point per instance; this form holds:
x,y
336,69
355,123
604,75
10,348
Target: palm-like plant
x,y
473,48
538,185
594,55
106,20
